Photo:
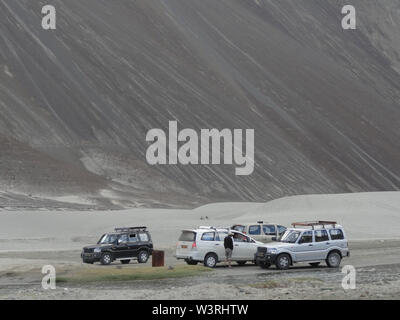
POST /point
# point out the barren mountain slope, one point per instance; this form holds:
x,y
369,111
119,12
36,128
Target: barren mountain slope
x,y
324,102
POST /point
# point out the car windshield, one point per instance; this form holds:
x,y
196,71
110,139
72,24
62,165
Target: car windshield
x,y
108,239
290,236
239,228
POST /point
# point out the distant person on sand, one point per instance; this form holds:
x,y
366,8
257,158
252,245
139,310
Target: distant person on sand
x,y
228,244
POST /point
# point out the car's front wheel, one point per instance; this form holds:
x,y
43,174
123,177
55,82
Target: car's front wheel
x,y
106,258
143,256
264,265
333,260
283,261
211,260
125,261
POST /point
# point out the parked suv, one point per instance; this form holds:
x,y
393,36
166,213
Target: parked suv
x,y
206,245
124,245
310,242
261,231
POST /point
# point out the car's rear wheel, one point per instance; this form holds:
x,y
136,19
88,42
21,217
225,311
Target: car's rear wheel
x,y
191,262
143,256
125,261
314,264
283,261
241,263
333,260
211,260
106,258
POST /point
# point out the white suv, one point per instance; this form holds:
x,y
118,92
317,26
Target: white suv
x,y
312,243
206,244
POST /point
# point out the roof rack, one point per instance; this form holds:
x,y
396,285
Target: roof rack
x,y
125,229
213,228
314,223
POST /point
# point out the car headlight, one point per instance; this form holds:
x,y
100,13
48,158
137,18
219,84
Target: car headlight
x,y
272,250
97,250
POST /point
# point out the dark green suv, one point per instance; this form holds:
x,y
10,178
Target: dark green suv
x,y
124,245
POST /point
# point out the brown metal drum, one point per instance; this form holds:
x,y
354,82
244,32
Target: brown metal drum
x,y
158,258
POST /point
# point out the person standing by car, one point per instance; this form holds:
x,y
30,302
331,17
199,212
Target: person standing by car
x,y
228,244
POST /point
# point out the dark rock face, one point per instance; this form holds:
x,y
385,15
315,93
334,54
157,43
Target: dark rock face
x,y
76,103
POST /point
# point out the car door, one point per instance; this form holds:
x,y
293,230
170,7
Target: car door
x,y
241,247
133,244
144,240
250,249
338,239
255,232
322,244
304,248
269,231
207,244
219,244
121,249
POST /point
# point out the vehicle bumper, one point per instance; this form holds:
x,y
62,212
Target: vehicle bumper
x,y
266,258
90,257
190,257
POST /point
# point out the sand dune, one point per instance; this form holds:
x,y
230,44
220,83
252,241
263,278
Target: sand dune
x,y
364,215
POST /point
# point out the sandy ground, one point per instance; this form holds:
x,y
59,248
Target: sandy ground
x,y
29,240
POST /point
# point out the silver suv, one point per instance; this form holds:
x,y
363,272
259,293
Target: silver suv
x,y
310,242
206,244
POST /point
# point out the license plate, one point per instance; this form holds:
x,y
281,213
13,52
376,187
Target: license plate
x,y
184,246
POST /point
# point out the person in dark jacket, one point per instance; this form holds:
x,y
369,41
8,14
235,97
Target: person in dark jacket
x,y
228,244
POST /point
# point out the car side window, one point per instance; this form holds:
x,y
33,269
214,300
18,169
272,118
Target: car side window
x,y
321,235
123,238
237,237
133,237
143,237
255,230
269,229
306,237
336,234
220,236
208,236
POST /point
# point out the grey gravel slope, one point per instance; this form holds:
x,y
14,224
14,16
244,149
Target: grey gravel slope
x,y
324,103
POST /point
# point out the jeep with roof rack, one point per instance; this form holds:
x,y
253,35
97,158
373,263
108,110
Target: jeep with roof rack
x,y
124,244
309,242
